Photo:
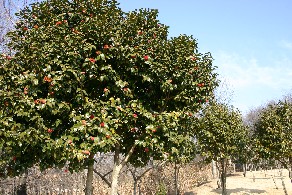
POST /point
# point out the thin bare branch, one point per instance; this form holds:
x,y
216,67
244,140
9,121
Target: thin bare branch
x,y
103,176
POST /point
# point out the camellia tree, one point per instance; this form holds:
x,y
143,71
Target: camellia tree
x,y
273,135
221,136
86,77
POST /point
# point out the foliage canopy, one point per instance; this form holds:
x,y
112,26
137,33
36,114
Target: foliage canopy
x,y
86,77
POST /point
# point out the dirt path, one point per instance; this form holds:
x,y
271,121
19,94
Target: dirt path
x,y
256,182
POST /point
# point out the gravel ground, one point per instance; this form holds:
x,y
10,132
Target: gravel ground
x,y
257,182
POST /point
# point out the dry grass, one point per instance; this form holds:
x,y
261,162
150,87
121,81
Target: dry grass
x,y
56,181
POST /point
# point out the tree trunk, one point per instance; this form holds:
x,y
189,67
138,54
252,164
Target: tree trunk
x,y
135,187
89,178
116,171
290,173
115,180
244,169
214,170
118,165
290,169
176,179
223,176
219,173
22,188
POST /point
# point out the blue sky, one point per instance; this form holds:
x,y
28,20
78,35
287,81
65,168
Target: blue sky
x,y
250,40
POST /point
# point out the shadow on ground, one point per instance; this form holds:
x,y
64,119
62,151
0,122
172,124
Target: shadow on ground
x,y
203,183
261,178
241,190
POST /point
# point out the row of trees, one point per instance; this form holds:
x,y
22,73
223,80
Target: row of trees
x,y
84,77
270,130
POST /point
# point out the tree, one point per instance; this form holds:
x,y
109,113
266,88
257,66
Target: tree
x,y
87,77
250,119
220,135
273,136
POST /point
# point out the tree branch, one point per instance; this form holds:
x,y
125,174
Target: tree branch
x,y
127,157
103,176
147,170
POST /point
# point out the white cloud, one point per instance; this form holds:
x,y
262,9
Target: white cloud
x,y
254,84
242,73
285,44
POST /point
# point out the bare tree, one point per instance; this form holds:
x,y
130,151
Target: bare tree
x,y
8,8
224,92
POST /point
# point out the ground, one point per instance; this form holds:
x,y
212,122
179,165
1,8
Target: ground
x,y
256,182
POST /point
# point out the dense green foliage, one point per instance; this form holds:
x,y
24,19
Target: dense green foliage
x,y
273,135
221,136
86,77
221,132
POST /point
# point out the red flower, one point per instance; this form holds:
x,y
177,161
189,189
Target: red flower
x,y
50,130
135,115
92,60
47,79
75,31
101,124
146,58
146,149
134,129
58,23
42,101
25,28
91,116
193,58
200,84
83,122
86,152
106,47
25,91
